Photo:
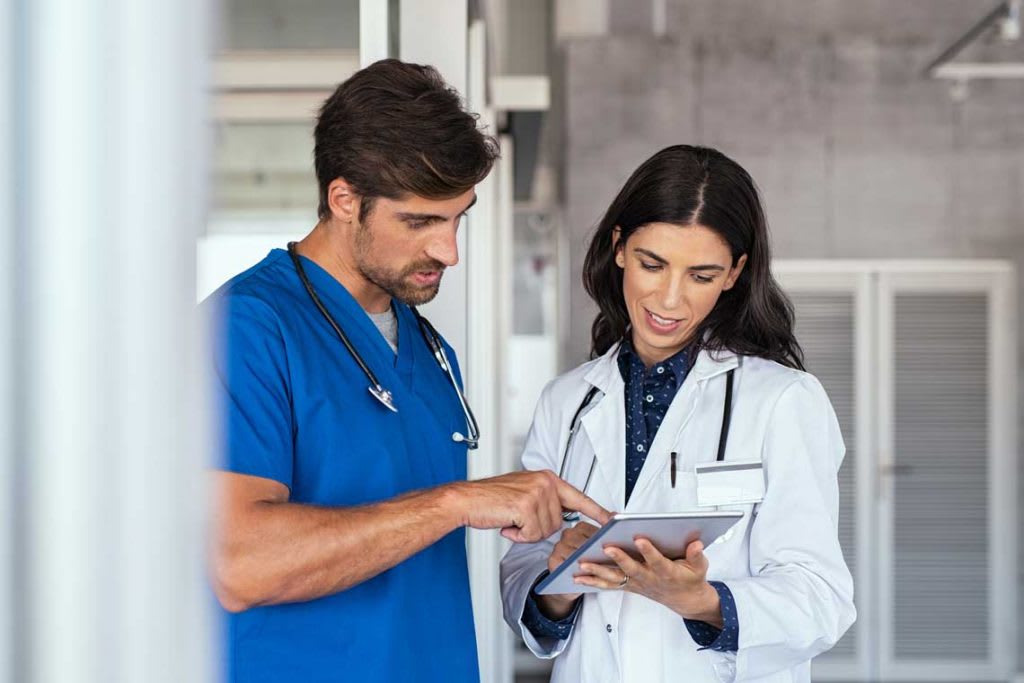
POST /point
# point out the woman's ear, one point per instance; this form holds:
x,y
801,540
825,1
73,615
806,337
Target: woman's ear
x,y
620,256
734,273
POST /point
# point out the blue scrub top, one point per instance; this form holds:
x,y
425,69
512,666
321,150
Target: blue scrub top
x,y
296,409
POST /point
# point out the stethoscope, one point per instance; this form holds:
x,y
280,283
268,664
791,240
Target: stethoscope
x,y
430,336
723,437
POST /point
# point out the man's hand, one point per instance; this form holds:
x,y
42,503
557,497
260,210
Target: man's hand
x,y
526,506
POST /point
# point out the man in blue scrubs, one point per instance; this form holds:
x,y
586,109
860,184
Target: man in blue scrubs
x,y
340,545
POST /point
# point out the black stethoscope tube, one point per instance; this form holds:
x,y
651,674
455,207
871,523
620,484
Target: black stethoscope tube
x,y
375,388
723,437
430,336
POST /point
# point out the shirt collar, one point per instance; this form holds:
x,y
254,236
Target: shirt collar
x,y
679,364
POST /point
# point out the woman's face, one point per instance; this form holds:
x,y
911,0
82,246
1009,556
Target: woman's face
x,y
672,278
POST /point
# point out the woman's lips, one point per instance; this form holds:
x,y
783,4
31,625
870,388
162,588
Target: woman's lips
x,y
661,325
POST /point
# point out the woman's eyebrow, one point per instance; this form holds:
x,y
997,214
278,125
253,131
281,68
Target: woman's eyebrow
x,y
650,255
704,267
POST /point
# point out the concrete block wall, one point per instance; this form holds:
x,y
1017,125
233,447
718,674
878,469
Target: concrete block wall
x,y
856,153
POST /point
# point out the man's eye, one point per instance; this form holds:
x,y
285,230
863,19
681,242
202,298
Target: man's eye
x,y
418,225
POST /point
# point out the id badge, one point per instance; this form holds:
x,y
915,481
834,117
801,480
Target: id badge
x,y
730,483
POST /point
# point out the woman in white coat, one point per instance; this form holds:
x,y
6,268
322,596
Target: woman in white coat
x,y
692,335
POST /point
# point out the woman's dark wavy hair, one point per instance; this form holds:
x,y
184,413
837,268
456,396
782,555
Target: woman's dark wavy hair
x,y
687,185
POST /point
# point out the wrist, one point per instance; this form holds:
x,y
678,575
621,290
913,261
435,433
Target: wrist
x,y
555,607
452,499
703,604
710,610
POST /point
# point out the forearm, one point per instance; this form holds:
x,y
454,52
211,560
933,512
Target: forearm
x,y
278,552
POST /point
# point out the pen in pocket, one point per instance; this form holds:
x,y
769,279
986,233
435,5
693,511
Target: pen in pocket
x,y
672,470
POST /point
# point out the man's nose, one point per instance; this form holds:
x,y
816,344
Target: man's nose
x,y
445,248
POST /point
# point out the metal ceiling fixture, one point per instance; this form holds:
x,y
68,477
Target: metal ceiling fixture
x,y
1005,21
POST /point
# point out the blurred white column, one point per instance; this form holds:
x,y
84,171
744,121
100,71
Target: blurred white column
x,y
8,508
114,172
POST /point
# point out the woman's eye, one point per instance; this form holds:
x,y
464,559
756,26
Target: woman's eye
x,y
653,267
703,279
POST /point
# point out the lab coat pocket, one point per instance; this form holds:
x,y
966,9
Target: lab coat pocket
x,y
679,498
730,483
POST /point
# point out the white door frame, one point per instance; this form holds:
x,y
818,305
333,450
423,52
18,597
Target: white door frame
x,y
994,279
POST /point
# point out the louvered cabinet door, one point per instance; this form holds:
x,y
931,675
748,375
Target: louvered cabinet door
x,y
945,476
834,327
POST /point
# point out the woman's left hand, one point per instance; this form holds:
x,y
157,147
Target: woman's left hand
x,y
680,585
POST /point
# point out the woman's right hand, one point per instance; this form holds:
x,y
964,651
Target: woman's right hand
x,y
559,606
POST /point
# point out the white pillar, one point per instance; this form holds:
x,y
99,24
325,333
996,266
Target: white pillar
x,y
485,326
468,310
374,31
8,507
435,32
114,175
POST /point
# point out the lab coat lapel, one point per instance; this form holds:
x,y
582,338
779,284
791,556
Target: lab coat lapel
x,y
605,427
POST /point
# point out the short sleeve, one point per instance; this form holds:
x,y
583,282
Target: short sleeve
x,y
251,389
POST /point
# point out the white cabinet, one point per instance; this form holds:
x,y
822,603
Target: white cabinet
x,y
919,359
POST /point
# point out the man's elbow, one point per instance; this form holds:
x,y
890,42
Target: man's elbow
x,y
233,588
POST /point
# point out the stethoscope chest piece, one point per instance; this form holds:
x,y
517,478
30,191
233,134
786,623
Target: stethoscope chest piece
x,y
384,396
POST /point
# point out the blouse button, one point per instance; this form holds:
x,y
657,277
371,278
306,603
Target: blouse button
x,y
650,398
661,369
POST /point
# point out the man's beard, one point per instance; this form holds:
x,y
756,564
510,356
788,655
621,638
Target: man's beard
x,y
396,283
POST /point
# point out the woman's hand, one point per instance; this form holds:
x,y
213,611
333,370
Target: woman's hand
x,y
559,606
680,585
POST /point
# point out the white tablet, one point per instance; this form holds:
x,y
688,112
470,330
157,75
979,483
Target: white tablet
x,y
669,532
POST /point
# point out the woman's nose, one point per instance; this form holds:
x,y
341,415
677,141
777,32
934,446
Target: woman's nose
x,y
673,295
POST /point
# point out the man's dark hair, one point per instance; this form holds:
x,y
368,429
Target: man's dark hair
x,y
394,129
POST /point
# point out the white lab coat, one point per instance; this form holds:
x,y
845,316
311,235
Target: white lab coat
x,y
782,561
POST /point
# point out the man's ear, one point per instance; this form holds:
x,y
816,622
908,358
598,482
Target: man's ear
x,y
343,201
620,256
734,273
